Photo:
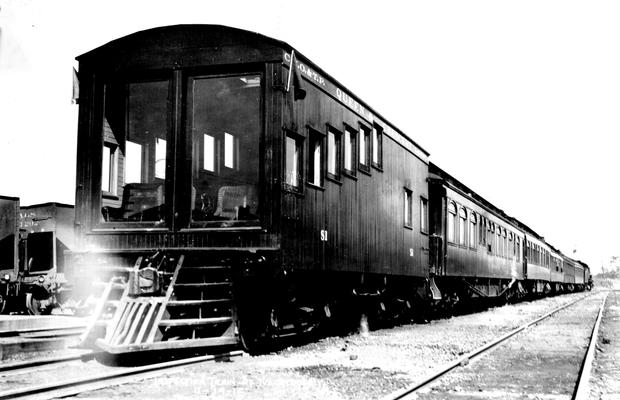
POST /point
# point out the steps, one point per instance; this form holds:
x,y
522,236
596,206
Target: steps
x,y
184,304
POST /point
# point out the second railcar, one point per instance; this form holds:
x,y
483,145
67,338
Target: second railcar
x,y
32,255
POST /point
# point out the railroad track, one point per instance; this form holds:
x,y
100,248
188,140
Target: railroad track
x,y
30,365
35,333
117,376
580,392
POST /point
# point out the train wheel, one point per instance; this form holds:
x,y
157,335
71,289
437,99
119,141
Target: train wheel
x,y
258,334
38,307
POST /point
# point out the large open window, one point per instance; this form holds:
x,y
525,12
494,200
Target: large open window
x,y
224,118
135,152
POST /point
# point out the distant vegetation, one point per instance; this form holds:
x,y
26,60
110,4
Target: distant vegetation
x,y
610,277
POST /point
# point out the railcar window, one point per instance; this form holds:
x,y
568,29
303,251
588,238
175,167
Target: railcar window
x,y
315,159
451,222
408,208
499,244
135,120
209,154
349,150
482,231
377,146
40,251
472,230
462,227
364,148
423,215
333,153
109,169
293,162
224,118
230,150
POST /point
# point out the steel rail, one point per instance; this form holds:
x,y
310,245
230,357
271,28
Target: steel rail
x,y
27,364
19,332
582,390
464,360
74,386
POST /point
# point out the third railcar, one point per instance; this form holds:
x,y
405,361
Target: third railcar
x,y
229,190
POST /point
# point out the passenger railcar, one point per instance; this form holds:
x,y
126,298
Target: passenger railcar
x,y
229,189
34,240
479,247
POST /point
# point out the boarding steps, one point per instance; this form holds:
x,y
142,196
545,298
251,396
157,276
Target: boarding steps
x,y
175,303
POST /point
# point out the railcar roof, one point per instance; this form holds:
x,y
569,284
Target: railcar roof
x,y
190,34
452,181
9,198
48,204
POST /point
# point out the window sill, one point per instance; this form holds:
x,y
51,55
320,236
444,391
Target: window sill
x,y
378,167
296,192
109,196
408,227
365,171
334,179
349,174
314,186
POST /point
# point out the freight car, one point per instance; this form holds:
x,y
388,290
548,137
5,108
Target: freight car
x,y
230,191
33,240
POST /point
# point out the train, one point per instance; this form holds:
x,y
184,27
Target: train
x,y
33,241
230,192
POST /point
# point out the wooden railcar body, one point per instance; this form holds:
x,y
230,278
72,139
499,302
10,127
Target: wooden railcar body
x,y
9,237
479,242
580,274
226,185
335,230
569,270
361,212
556,266
536,260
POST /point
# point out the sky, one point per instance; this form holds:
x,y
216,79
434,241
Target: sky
x,y
520,100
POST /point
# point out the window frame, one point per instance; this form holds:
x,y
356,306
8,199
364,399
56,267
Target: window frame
x,y
335,177
451,216
112,170
463,226
118,85
315,136
349,130
377,130
365,132
424,228
407,208
299,144
473,229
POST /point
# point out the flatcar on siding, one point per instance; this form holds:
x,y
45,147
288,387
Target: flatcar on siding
x,y
229,190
